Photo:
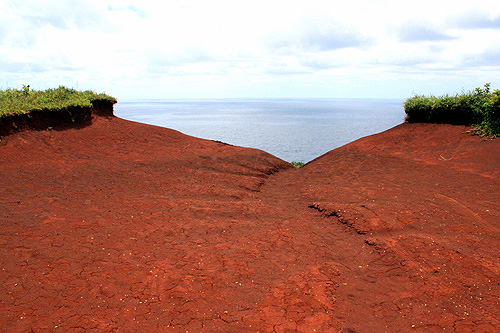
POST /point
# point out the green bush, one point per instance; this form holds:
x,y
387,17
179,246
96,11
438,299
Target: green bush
x,y
27,100
490,124
297,164
478,108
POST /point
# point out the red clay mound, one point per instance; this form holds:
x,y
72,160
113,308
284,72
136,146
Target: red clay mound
x,y
129,227
426,197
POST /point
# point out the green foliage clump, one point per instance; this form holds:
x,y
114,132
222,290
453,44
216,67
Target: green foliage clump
x,y
479,108
297,164
490,124
26,100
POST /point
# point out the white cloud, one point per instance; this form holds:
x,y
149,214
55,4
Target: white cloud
x,y
194,48
477,19
421,31
315,35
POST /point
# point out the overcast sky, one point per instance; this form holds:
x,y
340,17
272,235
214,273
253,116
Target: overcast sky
x,y
225,49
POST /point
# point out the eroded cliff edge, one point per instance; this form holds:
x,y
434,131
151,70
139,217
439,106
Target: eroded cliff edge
x,y
71,117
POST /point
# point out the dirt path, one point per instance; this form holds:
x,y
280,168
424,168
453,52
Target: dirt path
x,y
120,226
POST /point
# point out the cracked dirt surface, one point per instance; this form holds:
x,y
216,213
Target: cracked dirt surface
x,y
121,226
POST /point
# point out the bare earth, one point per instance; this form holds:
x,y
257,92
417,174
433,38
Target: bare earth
x,y
120,226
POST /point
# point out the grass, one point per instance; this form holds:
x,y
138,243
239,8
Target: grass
x,y
479,108
297,164
26,100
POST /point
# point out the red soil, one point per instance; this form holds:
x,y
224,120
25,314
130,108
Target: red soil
x,y
129,227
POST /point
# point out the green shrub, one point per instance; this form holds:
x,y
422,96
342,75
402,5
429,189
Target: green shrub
x,y
26,100
418,108
297,164
478,108
490,124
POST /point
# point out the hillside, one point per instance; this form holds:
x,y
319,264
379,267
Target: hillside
x,y
124,226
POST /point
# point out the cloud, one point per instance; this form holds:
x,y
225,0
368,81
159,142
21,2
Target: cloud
x,y
21,67
331,36
412,61
418,32
3,34
284,70
39,20
314,34
136,10
319,63
45,64
25,22
476,20
162,60
60,14
222,44
490,57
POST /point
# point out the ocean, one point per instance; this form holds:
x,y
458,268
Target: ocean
x,y
292,129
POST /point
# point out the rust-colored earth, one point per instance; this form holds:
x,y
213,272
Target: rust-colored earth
x,y
120,226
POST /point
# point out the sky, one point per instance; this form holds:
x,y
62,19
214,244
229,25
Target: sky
x,y
191,49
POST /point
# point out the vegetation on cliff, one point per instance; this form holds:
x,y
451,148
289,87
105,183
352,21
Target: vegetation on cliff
x,y
297,164
479,108
14,102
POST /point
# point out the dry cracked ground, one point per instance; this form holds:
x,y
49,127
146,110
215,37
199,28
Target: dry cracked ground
x,y
120,226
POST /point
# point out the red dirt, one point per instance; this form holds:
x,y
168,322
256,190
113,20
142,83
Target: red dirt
x,y
120,226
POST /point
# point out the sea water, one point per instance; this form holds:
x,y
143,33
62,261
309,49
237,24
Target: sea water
x,y
291,129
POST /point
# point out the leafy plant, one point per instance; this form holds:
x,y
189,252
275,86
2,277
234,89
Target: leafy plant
x,y
478,108
297,164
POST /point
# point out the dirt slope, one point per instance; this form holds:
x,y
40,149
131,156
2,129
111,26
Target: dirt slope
x,y
120,226
426,197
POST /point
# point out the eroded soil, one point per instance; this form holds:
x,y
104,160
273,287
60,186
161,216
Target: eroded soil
x,y
120,226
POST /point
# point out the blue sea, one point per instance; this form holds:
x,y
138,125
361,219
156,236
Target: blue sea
x,y
291,129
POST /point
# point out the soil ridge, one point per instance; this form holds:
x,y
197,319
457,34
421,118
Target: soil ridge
x,y
72,117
